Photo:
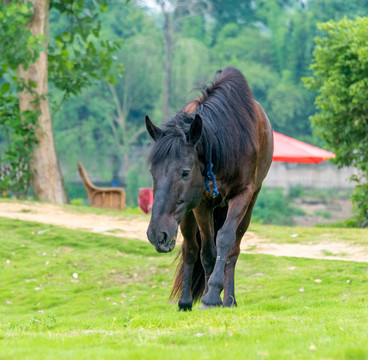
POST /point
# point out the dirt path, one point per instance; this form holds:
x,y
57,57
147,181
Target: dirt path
x,y
136,228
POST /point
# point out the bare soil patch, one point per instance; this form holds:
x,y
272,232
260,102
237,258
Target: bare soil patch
x,y
135,228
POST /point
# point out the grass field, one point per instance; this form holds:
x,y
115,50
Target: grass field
x,y
310,235
75,295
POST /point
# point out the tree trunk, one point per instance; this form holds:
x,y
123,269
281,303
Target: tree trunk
x,y
47,181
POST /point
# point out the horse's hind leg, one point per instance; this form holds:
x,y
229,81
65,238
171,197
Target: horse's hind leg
x,y
229,290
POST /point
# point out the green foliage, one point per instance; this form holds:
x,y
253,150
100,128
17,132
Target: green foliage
x,y
78,54
19,134
17,131
296,192
18,46
324,214
189,59
94,131
273,207
360,202
340,76
137,177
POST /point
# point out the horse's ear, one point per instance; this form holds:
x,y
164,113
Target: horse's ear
x,y
195,131
154,131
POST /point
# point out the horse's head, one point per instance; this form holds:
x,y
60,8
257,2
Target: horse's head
x,y
177,180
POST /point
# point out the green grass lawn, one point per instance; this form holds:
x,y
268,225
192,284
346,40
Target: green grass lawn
x,y
310,235
116,304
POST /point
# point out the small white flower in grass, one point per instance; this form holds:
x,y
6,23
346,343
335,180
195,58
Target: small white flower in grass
x,y
7,261
318,281
348,281
75,276
114,303
301,289
40,311
37,288
291,268
294,235
198,335
123,295
107,298
312,347
8,303
44,254
47,262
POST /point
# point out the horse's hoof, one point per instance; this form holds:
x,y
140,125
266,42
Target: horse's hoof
x,y
212,299
185,307
230,302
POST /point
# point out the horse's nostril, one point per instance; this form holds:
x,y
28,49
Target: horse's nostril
x,y
163,238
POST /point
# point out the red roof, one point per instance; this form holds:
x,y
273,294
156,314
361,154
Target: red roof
x,y
287,149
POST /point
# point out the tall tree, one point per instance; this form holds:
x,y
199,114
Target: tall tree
x,y
46,176
74,57
105,131
174,12
340,76
135,94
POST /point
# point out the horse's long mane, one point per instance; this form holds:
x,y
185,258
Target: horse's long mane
x,y
226,107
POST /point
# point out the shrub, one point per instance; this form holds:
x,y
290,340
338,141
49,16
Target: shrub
x,y
273,207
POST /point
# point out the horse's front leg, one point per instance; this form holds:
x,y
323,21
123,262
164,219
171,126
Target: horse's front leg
x,y
190,253
229,291
225,241
204,217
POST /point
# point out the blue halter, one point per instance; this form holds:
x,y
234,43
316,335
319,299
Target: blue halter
x,y
210,176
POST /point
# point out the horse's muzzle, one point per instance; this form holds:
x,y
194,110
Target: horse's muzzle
x,y
162,241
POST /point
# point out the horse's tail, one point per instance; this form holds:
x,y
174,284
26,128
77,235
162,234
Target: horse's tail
x,y
198,277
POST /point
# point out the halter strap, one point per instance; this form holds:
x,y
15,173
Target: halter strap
x,y
210,176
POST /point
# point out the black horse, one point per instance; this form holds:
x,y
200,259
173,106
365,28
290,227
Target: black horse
x,y
208,164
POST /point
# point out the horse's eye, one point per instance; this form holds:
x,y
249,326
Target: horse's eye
x,y
185,174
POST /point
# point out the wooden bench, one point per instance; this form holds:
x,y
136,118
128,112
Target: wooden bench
x,y
105,198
